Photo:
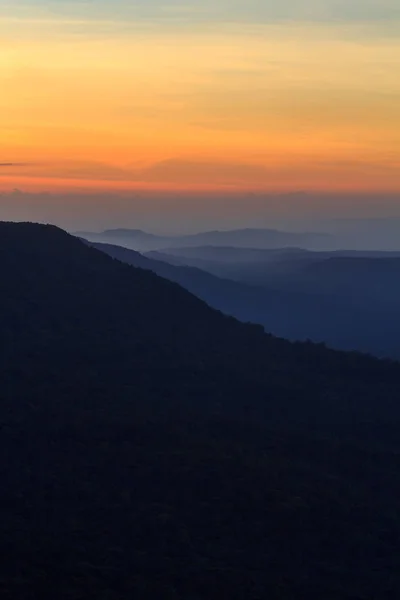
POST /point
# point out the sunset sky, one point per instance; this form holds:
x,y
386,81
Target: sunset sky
x,y
200,96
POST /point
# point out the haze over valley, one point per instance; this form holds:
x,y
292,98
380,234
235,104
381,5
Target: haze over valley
x,y
347,299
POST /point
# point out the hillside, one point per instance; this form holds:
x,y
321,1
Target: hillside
x,y
296,315
269,307
156,447
347,299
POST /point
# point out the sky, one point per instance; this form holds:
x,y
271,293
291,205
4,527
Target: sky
x,y
117,100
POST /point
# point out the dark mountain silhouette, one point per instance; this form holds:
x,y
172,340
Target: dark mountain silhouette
x,y
320,315
255,238
156,448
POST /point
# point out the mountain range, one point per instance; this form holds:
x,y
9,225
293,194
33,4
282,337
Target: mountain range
x,y
263,266
155,447
360,277
346,301
257,238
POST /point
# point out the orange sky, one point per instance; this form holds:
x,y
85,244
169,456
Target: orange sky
x,y
269,106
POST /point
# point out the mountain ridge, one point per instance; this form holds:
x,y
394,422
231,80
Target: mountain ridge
x,y
157,447
260,238
293,315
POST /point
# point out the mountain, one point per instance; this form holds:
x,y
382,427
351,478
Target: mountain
x,y
259,266
255,238
249,303
129,238
292,314
249,265
346,299
157,448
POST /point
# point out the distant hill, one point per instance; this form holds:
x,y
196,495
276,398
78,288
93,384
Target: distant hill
x,y
317,315
293,268
156,448
347,299
249,265
247,262
254,238
236,255
129,238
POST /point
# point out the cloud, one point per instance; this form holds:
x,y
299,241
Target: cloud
x,y
175,170
236,173
307,172
198,11
13,164
71,169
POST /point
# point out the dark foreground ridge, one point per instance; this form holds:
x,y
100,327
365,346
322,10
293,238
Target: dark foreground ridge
x,y
153,446
353,307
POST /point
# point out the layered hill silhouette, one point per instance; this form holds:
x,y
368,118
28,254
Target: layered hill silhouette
x,y
296,314
347,299
159,448
265,266
135,239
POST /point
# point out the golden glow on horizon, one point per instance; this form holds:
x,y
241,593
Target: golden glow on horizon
x,y
271,107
